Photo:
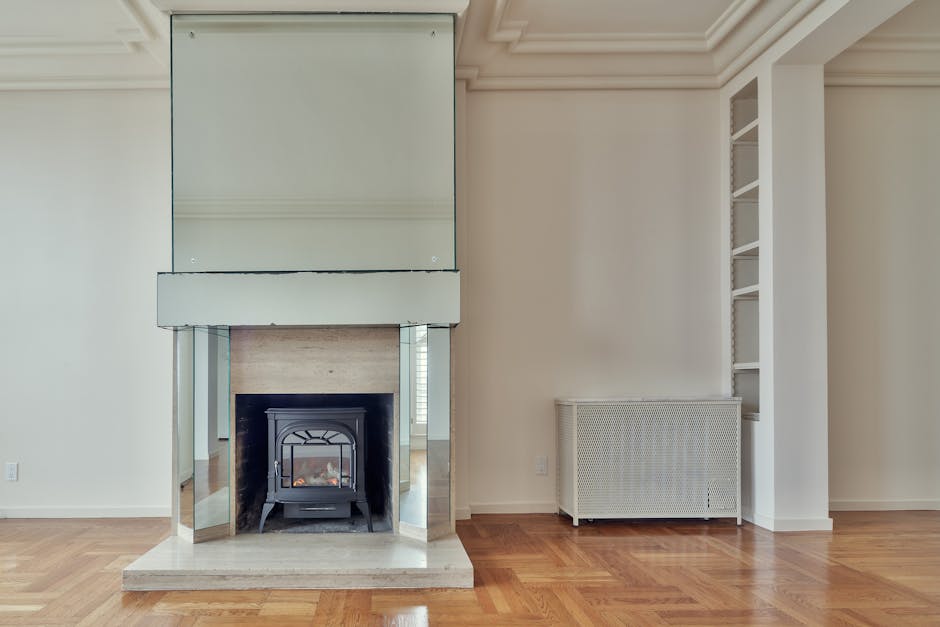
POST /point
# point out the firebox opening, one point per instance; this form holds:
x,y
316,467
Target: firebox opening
x,y
251,463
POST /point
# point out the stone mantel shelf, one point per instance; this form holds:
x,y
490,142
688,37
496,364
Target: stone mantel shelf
x,y
308,298
311,6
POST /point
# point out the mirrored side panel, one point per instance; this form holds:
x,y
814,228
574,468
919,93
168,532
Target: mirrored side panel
x,y
413,424
184,428
438,432
405,394
313,142
210,432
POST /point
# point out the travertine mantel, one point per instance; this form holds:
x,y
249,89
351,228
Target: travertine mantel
x,y
333,360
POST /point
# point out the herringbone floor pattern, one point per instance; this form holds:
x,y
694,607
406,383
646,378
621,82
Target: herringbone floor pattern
x,y
874,569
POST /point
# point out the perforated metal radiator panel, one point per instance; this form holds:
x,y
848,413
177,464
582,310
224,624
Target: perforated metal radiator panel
x,y
565,464
649,458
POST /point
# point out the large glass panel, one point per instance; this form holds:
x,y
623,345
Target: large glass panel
x,y
184,424
313,142
438,430
211,394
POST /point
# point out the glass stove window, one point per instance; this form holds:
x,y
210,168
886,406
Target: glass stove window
x,y
321,466
316,459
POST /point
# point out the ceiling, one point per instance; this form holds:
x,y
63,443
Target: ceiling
x,y
502,44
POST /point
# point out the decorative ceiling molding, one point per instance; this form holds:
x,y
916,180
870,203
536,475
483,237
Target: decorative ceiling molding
x,y
514,33
459,26
728,21
49,47
882,79
766,39
495,48
507,54
466,73
312,6
899,43
476,82
132,56
69,83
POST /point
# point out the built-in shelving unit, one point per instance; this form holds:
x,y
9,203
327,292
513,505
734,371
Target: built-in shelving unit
x,y
744,261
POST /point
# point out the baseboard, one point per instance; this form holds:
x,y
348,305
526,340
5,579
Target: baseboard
x,y
85,512
882,505
802,524
462,513
791,524
528,507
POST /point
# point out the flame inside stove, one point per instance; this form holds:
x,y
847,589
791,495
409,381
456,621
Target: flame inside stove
x,y
311,473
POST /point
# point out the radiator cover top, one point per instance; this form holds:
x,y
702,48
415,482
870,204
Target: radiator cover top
x,y
642,458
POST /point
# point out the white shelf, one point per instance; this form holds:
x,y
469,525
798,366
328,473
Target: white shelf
x,y
746,134
751,291
747,192
753,415
747,251
745,366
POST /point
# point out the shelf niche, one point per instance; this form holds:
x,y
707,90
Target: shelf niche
x,y
744,261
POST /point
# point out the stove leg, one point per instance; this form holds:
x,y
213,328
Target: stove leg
x,y
264,515
364,508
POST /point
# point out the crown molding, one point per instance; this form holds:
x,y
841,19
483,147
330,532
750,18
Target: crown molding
x,y
459,27
898,43
466,72
49,47
312,6
514,33
882,79
98,63
766,39
728,22
477,82
80,83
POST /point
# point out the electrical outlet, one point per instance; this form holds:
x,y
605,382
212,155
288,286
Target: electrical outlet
x,y
541,465
12,469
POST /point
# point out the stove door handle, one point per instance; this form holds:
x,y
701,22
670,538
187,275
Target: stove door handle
x,y
277,469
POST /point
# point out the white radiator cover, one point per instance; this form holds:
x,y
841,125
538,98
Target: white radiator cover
x,y
649,458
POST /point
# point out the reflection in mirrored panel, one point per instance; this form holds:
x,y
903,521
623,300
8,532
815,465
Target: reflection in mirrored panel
x,y
313,142
184,424
413,418
210,438
438,430
404,410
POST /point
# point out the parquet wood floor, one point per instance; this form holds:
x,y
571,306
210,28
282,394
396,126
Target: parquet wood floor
x,y
874,569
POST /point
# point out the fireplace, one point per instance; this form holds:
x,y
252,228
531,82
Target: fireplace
x,y
316,462
298,495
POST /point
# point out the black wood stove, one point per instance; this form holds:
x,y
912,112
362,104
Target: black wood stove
x,y
316,463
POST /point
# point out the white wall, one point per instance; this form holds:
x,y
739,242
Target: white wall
x,y
593,235
883,195
85,376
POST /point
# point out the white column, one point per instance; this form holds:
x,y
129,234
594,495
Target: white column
x,y
795,298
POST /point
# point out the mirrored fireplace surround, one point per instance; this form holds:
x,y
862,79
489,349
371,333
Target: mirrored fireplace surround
x,y
226,378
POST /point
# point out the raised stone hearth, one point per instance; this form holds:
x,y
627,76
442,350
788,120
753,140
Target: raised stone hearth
x,y
342,560
309,368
